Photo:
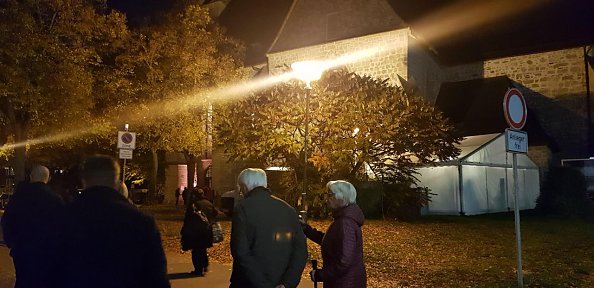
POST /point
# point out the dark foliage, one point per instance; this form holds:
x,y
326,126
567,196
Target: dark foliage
x,y
564,194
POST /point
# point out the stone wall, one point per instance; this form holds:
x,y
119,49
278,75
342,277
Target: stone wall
x,y
388,64
423,71
553,84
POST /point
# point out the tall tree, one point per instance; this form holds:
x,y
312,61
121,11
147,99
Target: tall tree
x,y
49,53
356,122
171,64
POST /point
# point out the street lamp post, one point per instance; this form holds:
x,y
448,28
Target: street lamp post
x,y
306,71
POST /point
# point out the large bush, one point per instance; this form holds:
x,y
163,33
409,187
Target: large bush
x,y
564,193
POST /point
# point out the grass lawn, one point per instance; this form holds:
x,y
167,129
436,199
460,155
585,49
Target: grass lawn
x,y
449,251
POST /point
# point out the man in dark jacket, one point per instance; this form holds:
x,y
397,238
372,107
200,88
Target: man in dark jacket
x,y
27,223
267,242
106,241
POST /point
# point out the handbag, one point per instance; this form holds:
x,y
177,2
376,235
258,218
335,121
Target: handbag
x,y
217,232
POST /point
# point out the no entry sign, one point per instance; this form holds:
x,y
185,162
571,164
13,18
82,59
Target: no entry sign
x,y
514,109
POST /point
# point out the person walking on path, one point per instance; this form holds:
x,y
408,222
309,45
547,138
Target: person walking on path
x,y
177,194
196,229
267,242
185,195
106,241
27,224
342,244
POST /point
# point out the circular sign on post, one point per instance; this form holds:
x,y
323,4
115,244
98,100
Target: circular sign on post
x,y
514,109
127,138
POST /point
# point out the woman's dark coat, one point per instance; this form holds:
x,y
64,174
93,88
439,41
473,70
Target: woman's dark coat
x,y
342,250
195,233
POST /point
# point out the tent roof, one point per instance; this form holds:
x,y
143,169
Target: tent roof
x,y
475,108
473,143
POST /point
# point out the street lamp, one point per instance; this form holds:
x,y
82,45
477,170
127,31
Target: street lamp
x,y
306,71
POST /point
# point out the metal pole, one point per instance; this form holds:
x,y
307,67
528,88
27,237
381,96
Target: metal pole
x,y
517,220
304,193
126,126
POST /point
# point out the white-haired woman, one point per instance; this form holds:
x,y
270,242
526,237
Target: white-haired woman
x,y
342,244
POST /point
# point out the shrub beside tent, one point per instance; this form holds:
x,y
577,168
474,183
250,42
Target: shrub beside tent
x,y
480,180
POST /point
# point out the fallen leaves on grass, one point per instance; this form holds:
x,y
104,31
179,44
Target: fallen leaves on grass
x,y
454,251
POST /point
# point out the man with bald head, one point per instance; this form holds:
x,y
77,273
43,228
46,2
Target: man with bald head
x,y
28,224
106,241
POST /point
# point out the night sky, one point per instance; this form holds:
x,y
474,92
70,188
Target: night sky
x,y
556,24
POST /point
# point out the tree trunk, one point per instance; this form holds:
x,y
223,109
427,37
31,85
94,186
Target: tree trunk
x,y
152,192
191,160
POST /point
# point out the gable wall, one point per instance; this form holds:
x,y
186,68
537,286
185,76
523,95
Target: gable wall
x,y
553,84
389,64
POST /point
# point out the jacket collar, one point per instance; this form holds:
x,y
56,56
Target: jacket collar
x,y
351,211
258,191
103,193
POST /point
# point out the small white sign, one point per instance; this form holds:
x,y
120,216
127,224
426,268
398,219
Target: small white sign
x,y
126,140
126,153
516,141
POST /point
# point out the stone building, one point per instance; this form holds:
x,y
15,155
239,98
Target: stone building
x,y
552,77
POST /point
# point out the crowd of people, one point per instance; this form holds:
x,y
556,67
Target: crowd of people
x,y
101,239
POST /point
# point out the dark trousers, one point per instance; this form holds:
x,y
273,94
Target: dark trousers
x,y
199,259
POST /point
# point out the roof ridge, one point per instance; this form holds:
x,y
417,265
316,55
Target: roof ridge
x,y
282,27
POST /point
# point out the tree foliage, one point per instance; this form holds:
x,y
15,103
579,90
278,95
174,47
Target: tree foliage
x,y
355,122
50,53
169,66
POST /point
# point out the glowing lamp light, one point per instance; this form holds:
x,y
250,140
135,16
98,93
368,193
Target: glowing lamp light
x,y
308,71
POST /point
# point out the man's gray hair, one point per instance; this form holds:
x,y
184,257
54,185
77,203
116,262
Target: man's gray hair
x,y
101,170
251,178
343,190
40,174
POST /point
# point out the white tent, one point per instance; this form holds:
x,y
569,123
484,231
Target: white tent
x,y
480,180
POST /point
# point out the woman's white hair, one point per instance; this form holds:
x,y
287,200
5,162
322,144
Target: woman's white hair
x,y
251,178
343,190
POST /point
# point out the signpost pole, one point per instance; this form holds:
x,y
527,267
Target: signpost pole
x,y
516,141
517,220
126,126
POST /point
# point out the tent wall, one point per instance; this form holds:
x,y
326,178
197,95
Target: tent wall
x,y
486,180
490,190
443,182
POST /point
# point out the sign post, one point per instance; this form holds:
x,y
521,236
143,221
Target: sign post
x,y
516,141
126,144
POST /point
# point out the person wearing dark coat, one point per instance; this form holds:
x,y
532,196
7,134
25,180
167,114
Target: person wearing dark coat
x,y
198,202
267,242
106,241
342,244
27,224
177,193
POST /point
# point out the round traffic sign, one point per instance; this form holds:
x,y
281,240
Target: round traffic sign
x,y
514,109
127,138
